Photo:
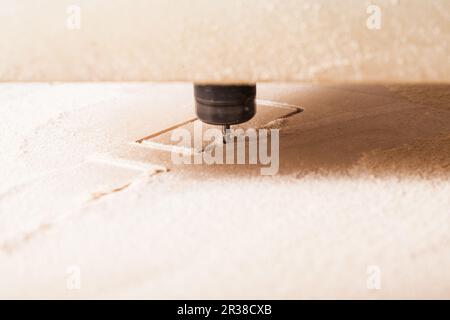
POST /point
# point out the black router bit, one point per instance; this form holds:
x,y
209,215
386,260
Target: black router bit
x,y
225,105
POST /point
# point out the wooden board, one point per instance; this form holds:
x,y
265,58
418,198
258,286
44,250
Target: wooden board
x,y
362,191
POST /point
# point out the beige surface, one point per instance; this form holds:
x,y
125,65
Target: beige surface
x,y
225,41
364,180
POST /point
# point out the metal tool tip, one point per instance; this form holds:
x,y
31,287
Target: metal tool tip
x,y
225,131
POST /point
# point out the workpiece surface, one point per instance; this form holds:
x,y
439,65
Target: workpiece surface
x,y
363,186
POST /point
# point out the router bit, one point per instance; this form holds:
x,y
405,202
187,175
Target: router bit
x,y
225,131
225,105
